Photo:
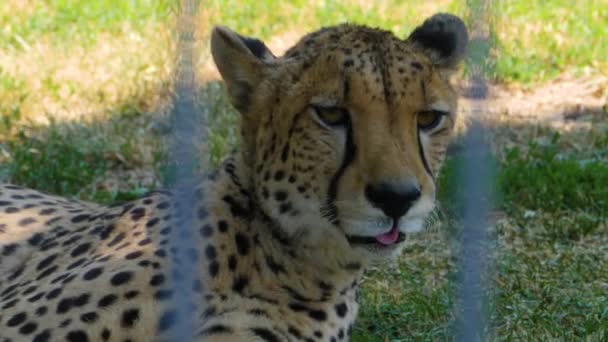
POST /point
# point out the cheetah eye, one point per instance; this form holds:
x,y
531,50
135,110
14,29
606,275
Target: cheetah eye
x,y
333,117
429,119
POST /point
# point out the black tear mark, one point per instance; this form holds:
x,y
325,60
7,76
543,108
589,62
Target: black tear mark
x,y
350,151
421,152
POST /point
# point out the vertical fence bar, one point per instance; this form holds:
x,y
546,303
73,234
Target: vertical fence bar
x,y
476,177
188,125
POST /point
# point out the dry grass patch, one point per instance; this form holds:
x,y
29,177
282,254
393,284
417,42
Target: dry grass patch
x,y
74,82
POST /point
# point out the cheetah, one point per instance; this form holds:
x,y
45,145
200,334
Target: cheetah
x,y
342,139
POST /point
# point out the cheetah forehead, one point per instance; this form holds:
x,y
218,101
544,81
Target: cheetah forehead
x,y
342,37
353,43
385,67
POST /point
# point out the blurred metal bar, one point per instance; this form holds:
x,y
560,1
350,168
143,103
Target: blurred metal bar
x,y
187,126
477,180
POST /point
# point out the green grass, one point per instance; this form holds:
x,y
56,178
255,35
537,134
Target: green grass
x,y
66,21
413,300
225,120
267,18
551,271
550,268
538,40
550,288
112,61
78,59
80,160
66,167
545,177
534,40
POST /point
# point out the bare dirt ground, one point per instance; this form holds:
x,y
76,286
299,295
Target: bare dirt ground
x,y
577,108
560,101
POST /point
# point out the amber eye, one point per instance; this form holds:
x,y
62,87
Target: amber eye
x,y
429,119
334,117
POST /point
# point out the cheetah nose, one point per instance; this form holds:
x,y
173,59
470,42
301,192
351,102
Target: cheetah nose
x,y
394,199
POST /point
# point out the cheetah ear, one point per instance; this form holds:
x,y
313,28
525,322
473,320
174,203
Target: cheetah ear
x,y
443,37
241,62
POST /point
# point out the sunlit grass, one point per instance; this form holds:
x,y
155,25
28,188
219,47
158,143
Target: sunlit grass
x,y
535,40
63,21
72,60
538,40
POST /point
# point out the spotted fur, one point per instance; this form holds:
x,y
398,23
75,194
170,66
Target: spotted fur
x,y
342,139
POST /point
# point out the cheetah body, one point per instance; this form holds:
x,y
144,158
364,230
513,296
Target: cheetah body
x,y
284,229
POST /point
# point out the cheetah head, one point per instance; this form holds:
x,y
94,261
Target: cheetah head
x,y
345,133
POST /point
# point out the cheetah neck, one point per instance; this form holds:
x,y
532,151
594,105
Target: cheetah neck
x,y
274,265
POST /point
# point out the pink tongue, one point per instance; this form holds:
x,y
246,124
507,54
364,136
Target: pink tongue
x,y
388,238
